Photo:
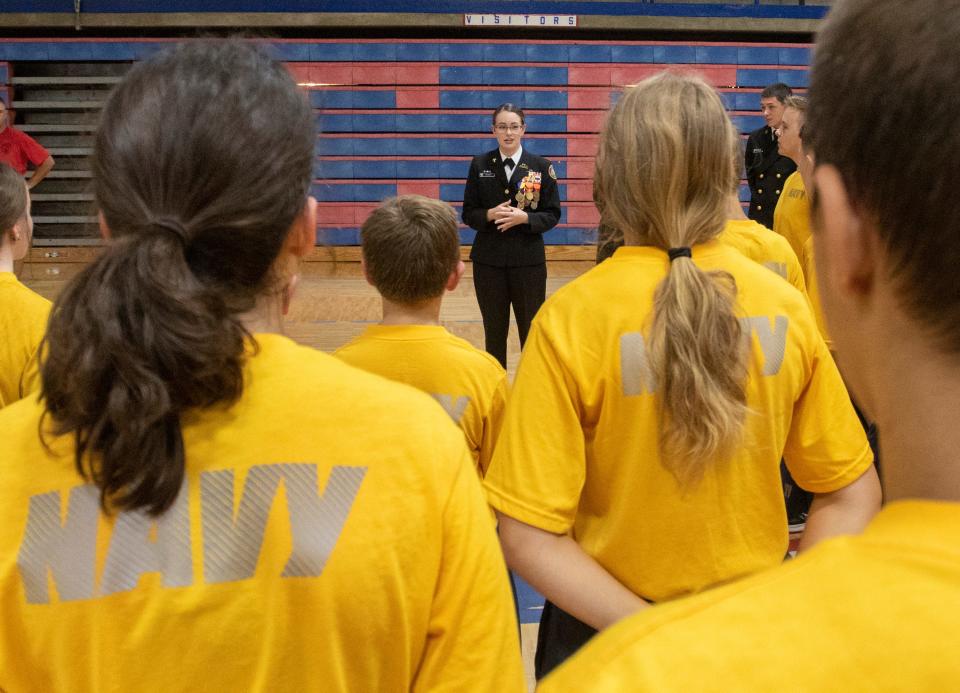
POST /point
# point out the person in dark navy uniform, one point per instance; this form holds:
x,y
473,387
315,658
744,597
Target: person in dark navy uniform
x,y
766,169
511,198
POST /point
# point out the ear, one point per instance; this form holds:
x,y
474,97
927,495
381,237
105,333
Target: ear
x,y
104,229
454,279
845,241
303,235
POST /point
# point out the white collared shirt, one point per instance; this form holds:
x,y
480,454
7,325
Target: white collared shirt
x,y
516,161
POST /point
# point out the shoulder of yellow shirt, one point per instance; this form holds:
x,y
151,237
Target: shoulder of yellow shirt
x,y
481,355
740,262
482,358
28,296
634,636
310,376
768,241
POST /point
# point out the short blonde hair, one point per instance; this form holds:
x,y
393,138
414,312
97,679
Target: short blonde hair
x,y
797,102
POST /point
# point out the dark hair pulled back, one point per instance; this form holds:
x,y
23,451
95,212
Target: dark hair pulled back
x,y
201,164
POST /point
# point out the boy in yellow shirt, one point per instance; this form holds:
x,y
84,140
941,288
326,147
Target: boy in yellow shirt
x,y
880,609
411,255
791,218
23,313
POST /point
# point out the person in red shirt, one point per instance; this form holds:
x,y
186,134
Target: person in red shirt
x,y
18,149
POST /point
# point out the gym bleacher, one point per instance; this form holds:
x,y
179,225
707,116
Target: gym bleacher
x,y
393,116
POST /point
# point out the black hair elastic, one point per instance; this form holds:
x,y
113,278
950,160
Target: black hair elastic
x,y
674,253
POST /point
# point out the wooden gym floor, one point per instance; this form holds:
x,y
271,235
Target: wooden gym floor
x,y
333,303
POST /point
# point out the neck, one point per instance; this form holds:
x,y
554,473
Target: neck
x,y
734,210
423,313
6,256
805,167
267,315
919,442
510,154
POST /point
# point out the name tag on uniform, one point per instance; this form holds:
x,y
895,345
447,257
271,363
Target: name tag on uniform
x,y
487,174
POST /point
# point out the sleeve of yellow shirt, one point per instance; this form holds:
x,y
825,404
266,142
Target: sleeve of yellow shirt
x,y
539,466
809,268
826,448
795,272
472,642
30,380
492,423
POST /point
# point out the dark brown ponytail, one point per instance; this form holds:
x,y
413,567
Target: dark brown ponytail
x,y
201,164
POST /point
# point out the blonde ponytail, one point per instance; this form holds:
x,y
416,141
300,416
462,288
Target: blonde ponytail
x,y
664,173
698,355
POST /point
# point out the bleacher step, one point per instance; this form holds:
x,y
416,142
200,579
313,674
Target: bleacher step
x,y
61,197
57,127
68,242
58,80
59,105
66,173
64,220
70,151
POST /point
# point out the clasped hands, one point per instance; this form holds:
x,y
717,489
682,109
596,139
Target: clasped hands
x,y
506,217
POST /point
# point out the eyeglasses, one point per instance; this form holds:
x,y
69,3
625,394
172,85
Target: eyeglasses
x,y
513,127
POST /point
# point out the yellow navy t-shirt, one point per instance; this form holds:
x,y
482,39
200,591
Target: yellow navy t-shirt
x,y
879,612
470,384
791,218
331,535
578,451
23,322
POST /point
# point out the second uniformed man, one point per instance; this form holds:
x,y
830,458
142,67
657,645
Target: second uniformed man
x,y
766,168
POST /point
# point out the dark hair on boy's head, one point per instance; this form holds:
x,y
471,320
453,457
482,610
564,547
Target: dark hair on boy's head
x,y
886,71
13,197
779,91
508,108
202,161
410,247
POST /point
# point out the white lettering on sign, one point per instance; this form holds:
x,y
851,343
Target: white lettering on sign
x,y
519,20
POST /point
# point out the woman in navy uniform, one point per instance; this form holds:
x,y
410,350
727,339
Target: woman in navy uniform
x,y
511,198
